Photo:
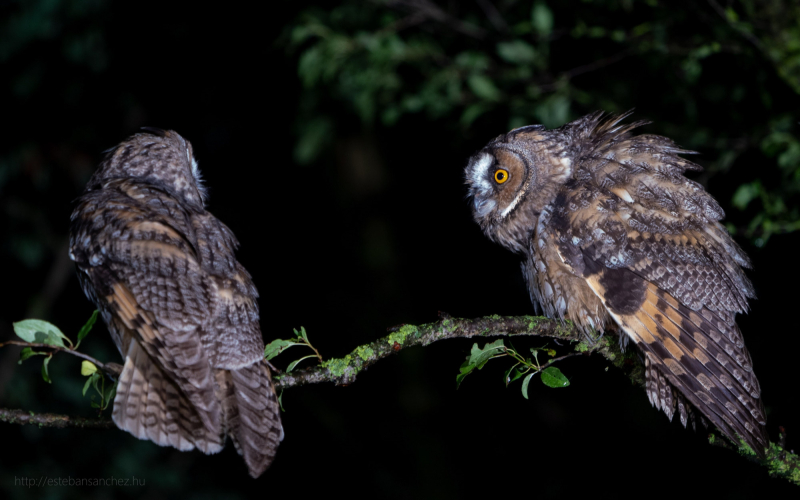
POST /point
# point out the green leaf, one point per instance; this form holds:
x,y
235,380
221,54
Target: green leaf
x,y
109,395
472,113
525,384
745,194
96,383
276,347
280,400
478,357
553,111
692,69
483,87
37,331
473,61
45,371
552,377
86,385
27,352
542,18
294,363
466,369
315,135
516,52
302,335
514,373
85,329
88,368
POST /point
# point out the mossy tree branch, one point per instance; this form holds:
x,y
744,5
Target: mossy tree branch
x,y
23,417
343,371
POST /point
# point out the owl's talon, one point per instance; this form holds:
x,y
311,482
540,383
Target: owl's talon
x,y
113,370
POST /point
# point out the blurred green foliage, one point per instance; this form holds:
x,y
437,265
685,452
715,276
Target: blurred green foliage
x,y
707,72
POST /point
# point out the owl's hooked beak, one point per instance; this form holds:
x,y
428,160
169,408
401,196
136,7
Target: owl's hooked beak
x,y
483,206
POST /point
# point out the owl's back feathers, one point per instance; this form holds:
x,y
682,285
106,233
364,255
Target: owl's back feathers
x,y
180,308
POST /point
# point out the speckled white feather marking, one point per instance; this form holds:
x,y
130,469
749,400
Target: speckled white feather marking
x,y
479,169
198,177
513,204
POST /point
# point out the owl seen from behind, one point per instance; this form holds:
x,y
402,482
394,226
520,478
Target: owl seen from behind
x,y
180,308
614,234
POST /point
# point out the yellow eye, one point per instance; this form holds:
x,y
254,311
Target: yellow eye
x,y
500,176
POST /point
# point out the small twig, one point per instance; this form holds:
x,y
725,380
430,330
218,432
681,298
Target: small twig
x,y
494,15
408,21
586,68
111,369
746,34
431,11
319,356
555,360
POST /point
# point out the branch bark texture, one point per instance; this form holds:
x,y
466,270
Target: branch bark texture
x,y
22,417
345,370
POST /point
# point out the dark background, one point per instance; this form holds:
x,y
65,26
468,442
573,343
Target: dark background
x,y
338,164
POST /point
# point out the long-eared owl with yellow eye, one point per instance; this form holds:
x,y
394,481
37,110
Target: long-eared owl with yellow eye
x,y
180,308
613,234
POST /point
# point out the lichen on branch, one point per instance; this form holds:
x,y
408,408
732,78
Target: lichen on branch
x,y
343,371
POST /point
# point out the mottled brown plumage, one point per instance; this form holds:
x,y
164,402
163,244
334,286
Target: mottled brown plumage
x,y
613,232
180,308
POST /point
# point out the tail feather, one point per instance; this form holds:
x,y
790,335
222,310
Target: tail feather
x,y
728,364
659,391
150,406
701,355
696,384
252,414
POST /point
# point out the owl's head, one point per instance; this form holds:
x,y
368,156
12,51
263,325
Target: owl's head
x,y
514,177
158,157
